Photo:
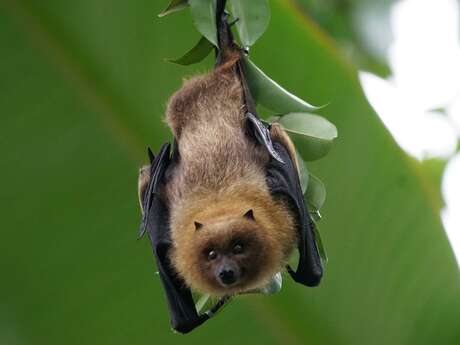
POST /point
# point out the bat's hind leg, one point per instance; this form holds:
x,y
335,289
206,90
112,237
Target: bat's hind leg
x,y
278,134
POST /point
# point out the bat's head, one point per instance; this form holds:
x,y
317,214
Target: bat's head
x,y
229,254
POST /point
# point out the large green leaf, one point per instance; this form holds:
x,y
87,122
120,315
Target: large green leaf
x,y
196,54
204,18
174,6
83,93
271,95
253,18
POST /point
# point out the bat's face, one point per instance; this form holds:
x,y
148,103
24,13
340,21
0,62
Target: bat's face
x,y
230,262
227,257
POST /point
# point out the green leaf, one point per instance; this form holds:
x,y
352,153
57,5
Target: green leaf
x,y
316,194
319,243
303,173
174,6
205,302
313,135
202,302
196,54
253,18
204,18
315,215
271,95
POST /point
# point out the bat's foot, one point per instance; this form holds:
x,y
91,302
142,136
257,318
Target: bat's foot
x,y
225,41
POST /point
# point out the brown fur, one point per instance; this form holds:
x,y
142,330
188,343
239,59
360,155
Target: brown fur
x,y
219,177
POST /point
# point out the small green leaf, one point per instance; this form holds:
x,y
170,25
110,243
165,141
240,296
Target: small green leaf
x,y
312,134
319,243
315,215
202,301
271,95
204,18
196,54
316,194
174,6
205,302
253,18
303,173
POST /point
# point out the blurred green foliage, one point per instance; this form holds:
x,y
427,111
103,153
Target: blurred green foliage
x,y
343,20
83,88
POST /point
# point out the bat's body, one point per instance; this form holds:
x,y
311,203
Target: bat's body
x,y
220,175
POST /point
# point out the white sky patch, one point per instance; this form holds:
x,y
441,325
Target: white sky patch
x,y
425,60
421,133
425,54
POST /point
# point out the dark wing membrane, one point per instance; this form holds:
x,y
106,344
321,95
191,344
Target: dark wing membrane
x,y
158,166
155,221
283,181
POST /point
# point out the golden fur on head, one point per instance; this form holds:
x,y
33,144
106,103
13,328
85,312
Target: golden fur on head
x,y
269,238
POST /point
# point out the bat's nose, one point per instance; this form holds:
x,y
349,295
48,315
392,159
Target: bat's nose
x,y
227,272
227,276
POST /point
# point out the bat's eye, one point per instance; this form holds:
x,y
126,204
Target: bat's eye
x,y
237,249
212,255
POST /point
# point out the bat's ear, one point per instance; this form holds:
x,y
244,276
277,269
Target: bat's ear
x,y
249,215
151,155
143,182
